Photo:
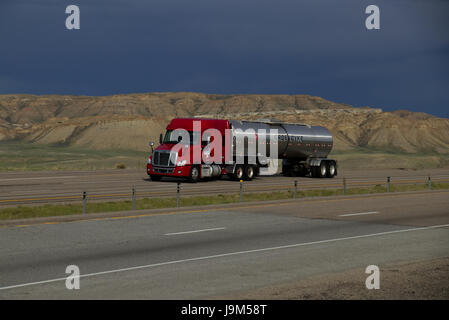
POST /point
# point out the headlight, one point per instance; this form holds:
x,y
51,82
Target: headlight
x,y
149,160
181,163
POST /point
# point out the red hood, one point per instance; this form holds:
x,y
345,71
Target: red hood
x,y
165,146
170,146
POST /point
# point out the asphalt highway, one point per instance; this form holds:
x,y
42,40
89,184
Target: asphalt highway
x,y
217,252
17,188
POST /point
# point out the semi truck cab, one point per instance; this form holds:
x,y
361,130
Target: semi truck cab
x,y
166,161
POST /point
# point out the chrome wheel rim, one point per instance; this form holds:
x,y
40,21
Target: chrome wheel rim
x,y
323,170
332,169
194,173
250,172
239,173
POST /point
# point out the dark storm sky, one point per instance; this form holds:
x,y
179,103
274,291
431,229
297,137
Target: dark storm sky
x,y
317,47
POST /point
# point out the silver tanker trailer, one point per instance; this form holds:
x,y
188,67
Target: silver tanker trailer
x,y
303,148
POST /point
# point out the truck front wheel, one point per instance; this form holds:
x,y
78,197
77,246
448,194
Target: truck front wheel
x,y
194,175
155,177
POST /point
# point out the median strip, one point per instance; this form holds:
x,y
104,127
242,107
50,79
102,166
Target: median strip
x,y
53,210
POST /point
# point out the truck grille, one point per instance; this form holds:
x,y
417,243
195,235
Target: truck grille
x,y
163,170
164,158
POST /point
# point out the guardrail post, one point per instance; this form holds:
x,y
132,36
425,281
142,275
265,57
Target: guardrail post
x,y
134,197
388,183
84,202
344,186
241,190
178,194
295,194
429,181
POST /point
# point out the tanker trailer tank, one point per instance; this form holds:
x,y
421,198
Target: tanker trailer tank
x,y
304,149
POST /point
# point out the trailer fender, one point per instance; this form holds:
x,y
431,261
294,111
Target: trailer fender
x,y
316,162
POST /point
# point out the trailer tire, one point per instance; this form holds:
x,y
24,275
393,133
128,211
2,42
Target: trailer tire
x,y
314,172
294,170
331,169
302,171
298,170
286,171
194,175
154,177
322,169
249,172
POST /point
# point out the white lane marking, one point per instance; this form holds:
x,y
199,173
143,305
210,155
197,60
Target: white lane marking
x,y
228,254
357,214
193,231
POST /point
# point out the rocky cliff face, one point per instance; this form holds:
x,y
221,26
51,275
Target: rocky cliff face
x,y
130,121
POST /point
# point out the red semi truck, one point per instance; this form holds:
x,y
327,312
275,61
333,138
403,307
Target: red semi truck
x,y
302,148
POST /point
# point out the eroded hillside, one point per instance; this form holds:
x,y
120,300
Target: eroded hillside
x,y
130,121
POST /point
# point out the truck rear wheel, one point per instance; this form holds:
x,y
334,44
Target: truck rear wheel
x,y
298,170
238,172
286,171
294,170
249,172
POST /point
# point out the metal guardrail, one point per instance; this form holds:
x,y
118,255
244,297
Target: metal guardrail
x,y
240,189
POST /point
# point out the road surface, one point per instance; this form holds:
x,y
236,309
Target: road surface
x,y
221,252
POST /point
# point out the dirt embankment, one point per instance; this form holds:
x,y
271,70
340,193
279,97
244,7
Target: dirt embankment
x,y
417,280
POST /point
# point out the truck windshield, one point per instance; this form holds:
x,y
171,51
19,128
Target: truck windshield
x,y
171,136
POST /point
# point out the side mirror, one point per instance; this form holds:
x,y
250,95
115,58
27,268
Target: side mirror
x,y
160,138
151,145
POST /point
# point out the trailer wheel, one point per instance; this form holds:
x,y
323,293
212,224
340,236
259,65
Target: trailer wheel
x,y
154,177
194,175
249,172
322,171
331,169
298,170
314,172
238,172
286,171
294,170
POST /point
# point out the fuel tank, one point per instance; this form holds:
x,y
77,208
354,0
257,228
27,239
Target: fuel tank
x,y
295,141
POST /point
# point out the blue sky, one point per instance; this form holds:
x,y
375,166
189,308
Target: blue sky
x,y
317,47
